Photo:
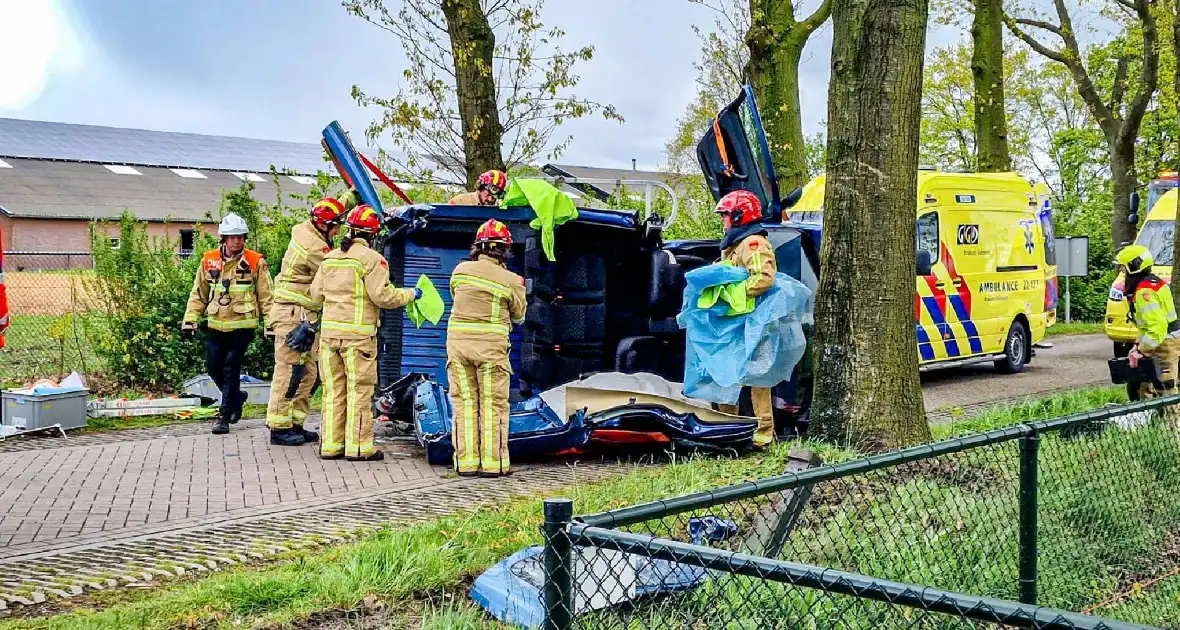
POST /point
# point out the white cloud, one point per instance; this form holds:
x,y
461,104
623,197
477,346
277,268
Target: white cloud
x,y
36,42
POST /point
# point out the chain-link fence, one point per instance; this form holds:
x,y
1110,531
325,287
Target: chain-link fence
x,y
48,307
1080,513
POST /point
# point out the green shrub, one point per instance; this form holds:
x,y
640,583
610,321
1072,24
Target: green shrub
x,y
139,292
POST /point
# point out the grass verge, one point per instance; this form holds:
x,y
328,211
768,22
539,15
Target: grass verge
x,y
949,522
1073,328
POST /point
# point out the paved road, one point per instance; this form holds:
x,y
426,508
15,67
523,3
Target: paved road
x,y
1073,361
104,510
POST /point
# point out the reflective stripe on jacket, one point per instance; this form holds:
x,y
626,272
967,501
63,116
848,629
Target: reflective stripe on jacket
x,y
755,255
230,293
353,286
1155,313
487,299
304,254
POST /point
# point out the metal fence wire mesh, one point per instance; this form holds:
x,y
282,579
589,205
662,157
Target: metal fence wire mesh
x,y
46,335
1076,514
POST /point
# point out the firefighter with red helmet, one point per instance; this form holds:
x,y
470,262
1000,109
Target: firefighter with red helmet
x,y
351,287
745,244
490,191
488,300
295,370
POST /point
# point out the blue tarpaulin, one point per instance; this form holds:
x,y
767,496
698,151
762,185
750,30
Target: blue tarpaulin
x,y
726,352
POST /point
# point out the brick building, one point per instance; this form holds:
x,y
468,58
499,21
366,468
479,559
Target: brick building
x,y
56,178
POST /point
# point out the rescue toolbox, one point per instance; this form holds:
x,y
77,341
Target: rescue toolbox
x,y
30,411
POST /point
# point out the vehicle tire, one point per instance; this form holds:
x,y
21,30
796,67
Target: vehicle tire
x,y
1121,350
1015,350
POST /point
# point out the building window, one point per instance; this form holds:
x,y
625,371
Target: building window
x,y
302,179
187,240
4,164
121,169
114,240
249,177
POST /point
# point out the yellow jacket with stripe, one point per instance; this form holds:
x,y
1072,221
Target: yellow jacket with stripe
x,y
754,254
352,287
304,255
230,293
1155,313
487,300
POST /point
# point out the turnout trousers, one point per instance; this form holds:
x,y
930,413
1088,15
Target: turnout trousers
x,y
348,368
1166,355
224,351
479,374
763,404
290,397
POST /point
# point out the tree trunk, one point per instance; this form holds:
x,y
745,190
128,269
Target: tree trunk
x,y
866,376
472,45
776,44
1122,171
987,69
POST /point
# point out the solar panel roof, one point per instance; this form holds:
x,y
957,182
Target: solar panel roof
x,y
111,145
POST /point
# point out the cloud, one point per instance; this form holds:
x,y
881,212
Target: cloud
x,y
37,41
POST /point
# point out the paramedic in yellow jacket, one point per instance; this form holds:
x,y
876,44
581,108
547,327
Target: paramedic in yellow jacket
x,y
745,245
295,372
231,293
353,286
492,185
1150,301
487,301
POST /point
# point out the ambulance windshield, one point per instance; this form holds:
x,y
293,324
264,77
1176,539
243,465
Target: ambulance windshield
x,y
1156,236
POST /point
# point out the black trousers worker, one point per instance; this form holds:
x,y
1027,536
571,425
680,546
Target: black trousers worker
x,y
224,352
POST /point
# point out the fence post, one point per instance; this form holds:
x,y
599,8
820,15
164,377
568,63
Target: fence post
x,y
558,592
1029,445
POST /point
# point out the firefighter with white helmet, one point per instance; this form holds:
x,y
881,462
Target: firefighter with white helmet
x,y
295,367
352,285
230,296
488,300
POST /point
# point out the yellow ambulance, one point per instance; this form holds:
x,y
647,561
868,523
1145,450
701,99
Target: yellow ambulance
x,y
1156,236
987,274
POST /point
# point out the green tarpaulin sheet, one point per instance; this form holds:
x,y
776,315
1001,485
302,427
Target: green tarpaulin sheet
x,y
427,308
551,206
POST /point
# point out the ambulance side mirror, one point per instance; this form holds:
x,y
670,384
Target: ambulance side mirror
x,y
925,264
1133,215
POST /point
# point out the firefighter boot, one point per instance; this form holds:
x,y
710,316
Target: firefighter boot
x,y
288,437
308,434
221,426
237,415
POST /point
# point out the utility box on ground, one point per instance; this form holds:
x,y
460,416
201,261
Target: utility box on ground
x,y
257,390
26,412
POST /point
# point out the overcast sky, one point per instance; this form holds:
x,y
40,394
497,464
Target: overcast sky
x,y
267,68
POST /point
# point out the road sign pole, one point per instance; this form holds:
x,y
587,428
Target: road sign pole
x,y
1067,299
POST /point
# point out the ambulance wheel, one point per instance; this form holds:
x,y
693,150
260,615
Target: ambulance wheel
x,y
1015,350
1121,350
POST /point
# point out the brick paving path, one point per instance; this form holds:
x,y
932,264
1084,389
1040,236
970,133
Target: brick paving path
x,y
105,510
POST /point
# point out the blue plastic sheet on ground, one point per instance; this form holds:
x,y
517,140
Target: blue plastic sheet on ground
x,y
510,590
724,353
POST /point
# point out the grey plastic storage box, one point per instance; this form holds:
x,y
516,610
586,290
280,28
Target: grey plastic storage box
x,y
26,412
258,392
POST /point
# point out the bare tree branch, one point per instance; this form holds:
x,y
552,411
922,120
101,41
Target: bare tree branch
x,y
1052,28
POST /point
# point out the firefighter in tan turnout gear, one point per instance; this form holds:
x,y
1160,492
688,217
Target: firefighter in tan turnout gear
x,y
745,245
230,294
492,185
352,285
487,300
295,369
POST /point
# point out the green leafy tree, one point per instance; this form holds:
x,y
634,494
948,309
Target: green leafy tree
x,y
487,86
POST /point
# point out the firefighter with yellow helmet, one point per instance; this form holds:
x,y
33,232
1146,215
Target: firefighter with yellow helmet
x,y
295,368
352,286
488,300
490,191
230,295
745,244
1150,301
